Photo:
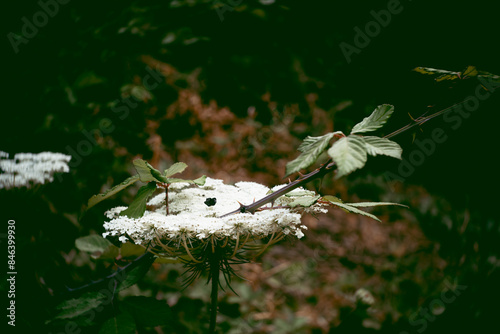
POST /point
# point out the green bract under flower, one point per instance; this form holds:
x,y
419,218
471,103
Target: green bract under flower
x,y
191,218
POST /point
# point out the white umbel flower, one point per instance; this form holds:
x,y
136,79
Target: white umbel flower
x,y
191,220
28,169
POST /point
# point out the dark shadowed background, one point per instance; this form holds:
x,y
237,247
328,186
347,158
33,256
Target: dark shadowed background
x,y
231,89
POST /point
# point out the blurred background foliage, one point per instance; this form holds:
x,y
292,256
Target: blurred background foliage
x,y
167,81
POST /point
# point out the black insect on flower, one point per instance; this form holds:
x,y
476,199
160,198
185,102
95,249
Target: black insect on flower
x,y
211,201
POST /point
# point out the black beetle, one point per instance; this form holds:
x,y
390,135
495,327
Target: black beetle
x,y
211,201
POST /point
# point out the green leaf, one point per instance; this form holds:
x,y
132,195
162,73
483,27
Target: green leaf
x,y
199,181
138,206
490,82
305,201
76,307
123,323
382,146
376,120
178,167
129,249
92,243
109,253
372,204
97,198
135,273
147,173
142,167
349,153
469,72
311,149
175,180
350,208
334,199
441,74
147,311
490,76
157,175
299,192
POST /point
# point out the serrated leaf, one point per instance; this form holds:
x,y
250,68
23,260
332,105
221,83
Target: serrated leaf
x,y
123,323
490,76
157,175
92,243
147,173
148,311
104,290
97,198
435,71
352,209
129,249
372,204
305,201
137,208
331,198
178,167
376,120
311,149
442,75
300,192
175,180
76,307
199,181
109,253
142,168
470,71
382,146
334,199
431,71
349,153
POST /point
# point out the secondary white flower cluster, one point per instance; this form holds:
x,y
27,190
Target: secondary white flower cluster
x,y
28,169
191,218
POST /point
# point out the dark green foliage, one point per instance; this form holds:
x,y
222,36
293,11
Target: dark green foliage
x,y
137,208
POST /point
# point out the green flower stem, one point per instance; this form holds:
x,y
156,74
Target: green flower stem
x,y
215,262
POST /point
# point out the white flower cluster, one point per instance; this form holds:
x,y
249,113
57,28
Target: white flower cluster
x,y
191,218
27,169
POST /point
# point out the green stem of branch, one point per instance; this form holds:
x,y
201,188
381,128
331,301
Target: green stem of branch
x,y
214,259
